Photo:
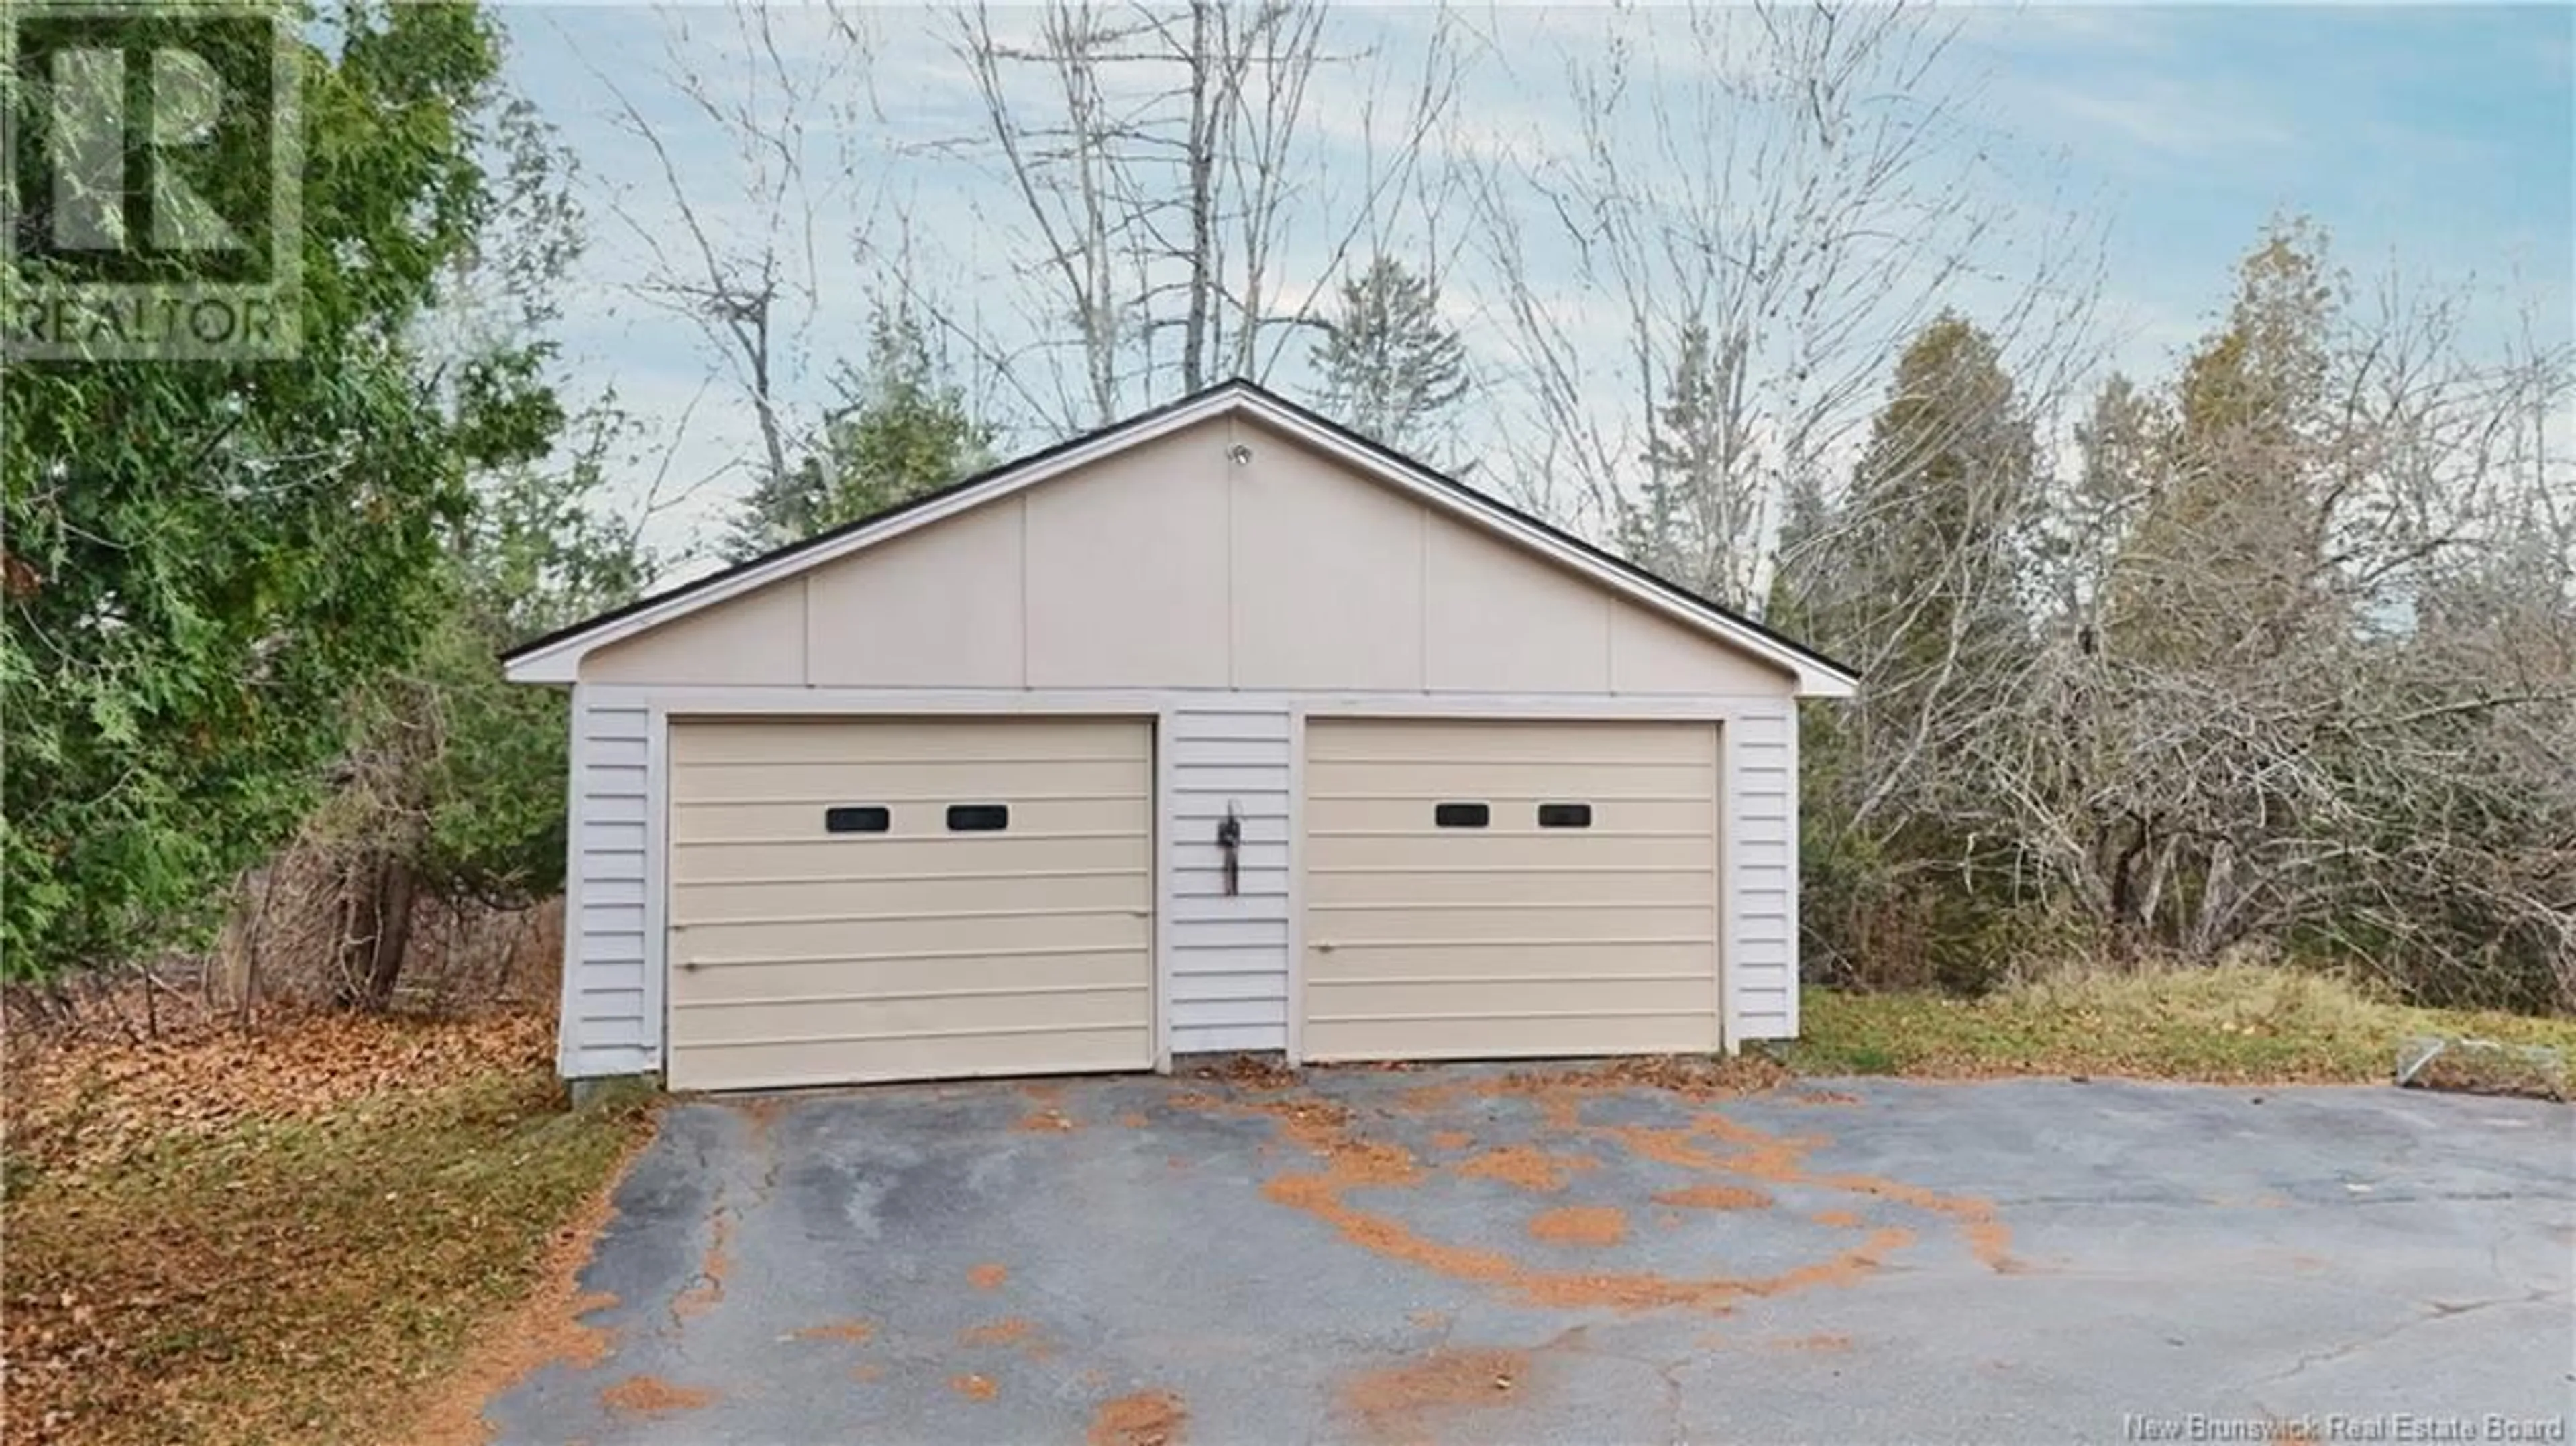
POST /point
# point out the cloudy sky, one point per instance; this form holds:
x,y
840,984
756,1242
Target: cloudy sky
x,y
2434,142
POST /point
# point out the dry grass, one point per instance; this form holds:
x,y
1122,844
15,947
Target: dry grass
x,y
285,1236
2232,1023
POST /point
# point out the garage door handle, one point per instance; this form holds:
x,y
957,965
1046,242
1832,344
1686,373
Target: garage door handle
x,y
1322,948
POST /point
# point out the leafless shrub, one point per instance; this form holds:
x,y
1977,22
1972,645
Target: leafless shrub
x,y
2288,662
289,942
284,950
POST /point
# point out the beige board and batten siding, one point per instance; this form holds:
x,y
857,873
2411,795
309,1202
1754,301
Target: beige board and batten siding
x,y
1171,567
923,950
1509,938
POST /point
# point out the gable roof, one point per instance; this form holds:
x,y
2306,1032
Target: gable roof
x,y
556,657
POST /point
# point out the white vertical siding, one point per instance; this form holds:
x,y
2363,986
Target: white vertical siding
x,y
1228,954
1762,895
610,1025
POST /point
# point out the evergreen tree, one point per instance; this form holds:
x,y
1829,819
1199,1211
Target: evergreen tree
x,y
204,559
2227,555
1694,520
1916,577
1936,516
1924,555
452,787
1392,369
2116,476
900,428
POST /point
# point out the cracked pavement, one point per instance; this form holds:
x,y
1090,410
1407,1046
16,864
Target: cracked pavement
x,y
1483,1254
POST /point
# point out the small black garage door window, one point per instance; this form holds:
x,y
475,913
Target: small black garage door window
x,y
857,818
978,817
1461,815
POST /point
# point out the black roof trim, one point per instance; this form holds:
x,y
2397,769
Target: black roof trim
x,y
1664,586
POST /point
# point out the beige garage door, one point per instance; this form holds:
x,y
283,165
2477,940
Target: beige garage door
x,y
909,899
1491,889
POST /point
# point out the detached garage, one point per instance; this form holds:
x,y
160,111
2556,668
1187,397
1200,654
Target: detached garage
x,y
1221,729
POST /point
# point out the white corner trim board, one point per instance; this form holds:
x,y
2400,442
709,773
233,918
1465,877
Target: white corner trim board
x,y
611,1002
1761,864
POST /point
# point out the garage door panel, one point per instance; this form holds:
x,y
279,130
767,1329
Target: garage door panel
x,y
721,823
1688,817
882,781
775,741
862,1019
1509,939
1426,740
924,933
1603,779
1036,972
1341,1001
1505,962
1483,848
801,956
1607,883
963,853
1546,1036
796,1062
1576,925
856,893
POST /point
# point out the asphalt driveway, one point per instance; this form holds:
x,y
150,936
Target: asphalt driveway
x,y
1485,1255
